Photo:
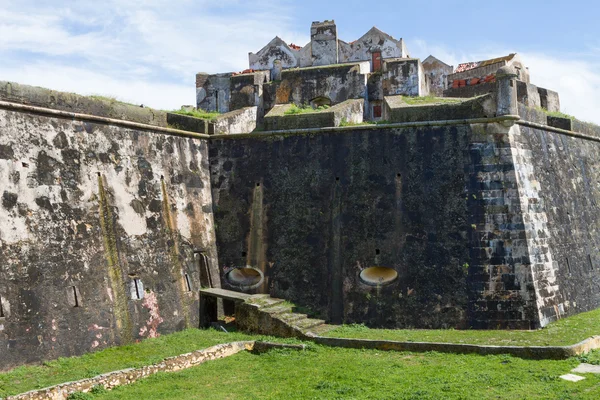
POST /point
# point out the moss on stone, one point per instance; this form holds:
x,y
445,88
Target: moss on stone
x,y
122,319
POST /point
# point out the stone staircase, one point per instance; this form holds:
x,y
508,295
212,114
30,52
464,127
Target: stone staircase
x,y
261,313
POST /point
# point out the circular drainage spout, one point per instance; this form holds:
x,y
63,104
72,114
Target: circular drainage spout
x,y
378,276
244,277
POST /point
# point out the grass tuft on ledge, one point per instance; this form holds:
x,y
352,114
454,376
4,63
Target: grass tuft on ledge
x,y
197,114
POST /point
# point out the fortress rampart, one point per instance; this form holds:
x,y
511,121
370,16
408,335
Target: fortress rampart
x,y
111,223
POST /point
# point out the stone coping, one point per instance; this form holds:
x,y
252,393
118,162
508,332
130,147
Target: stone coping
x,y
225,294
344,129
526,352
341,129
558,130
94,118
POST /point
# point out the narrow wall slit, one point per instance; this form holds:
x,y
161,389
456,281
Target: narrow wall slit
x,y
138,289
75,296
591,263
188,283
568,265
1,309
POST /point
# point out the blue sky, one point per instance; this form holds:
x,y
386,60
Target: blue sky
x,y
148,51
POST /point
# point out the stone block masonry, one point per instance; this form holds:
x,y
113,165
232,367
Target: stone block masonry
x,y
110,227
100,224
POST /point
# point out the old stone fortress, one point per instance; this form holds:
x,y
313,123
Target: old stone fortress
x,y
361,184
329,71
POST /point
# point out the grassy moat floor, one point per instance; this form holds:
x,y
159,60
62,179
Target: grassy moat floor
x,y
564,332
324,373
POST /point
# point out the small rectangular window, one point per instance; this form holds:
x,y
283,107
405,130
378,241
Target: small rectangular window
x,y
136,289
75,298
188,283
376,111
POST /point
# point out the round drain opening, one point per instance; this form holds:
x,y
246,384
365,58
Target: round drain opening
x,y
245,277
377,276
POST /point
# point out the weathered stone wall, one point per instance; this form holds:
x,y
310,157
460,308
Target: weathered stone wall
x,y
233,122
471,90
313,211
99,227
337,83
348,112
397,110
559,176
276,49
528,94
404,77
486,225
276,119
324,43
436,73
215,93
372,41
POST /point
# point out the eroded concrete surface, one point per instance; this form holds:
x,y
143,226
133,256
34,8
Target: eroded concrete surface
x,y
86,211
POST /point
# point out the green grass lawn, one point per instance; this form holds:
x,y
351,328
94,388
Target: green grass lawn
x,y
560,333
294,109
335,373
197,114
147,352
323,372
417,101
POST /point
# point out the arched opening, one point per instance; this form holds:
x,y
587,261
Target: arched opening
x,y
378,276
320,101
245,277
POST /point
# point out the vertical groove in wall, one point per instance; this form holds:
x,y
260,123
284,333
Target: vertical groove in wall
x,y
399,227
257,248
122,318
177,272
336,275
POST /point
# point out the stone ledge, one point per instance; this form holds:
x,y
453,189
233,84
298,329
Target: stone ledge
x,y
526,352
95,106
94,118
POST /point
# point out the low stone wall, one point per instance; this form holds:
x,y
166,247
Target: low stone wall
x,y
187,123
130,375
538,116
470,91
527,352
172,364
396,110
235,122
97,106
349,111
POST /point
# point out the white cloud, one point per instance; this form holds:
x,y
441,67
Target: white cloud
x,y
127,48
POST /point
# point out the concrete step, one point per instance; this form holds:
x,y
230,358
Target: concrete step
x,y
308,323
291,317
265,302
277,309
